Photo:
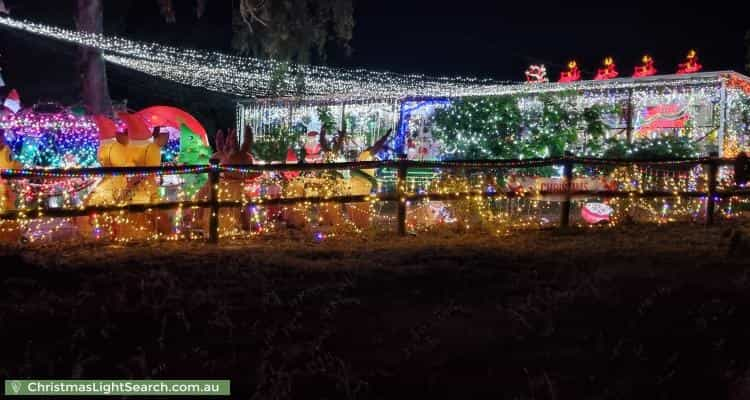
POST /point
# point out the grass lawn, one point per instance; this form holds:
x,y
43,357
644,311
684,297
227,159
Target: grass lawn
x,y
640,311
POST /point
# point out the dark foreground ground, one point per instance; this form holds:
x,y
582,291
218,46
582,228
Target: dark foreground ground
x,y
632,313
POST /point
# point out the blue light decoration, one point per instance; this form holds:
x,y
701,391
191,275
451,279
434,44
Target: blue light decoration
x,y
410,107
170,152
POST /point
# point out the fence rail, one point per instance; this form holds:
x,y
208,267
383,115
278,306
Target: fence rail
x,y
400,195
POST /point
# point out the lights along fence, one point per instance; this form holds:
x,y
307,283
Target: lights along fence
x,y
400,193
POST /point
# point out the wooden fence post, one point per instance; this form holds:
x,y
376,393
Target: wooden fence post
x,y
403,169
213,182
565,210
713,172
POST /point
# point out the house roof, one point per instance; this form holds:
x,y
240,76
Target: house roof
x,y
655,81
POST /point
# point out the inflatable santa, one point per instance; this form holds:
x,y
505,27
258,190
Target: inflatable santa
x,y
313,149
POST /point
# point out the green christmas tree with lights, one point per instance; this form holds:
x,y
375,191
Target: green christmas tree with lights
x,y
193,152
497,127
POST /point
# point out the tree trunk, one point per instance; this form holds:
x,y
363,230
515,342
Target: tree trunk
x,y
95,90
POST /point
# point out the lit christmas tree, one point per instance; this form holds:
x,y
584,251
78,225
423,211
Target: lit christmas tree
x,y
192,149
193,152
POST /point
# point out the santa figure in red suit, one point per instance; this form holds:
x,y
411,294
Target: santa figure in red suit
x,y
313,149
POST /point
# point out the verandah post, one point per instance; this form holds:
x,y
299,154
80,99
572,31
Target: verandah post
x,y
713,172
213,183
565,210
403,169
629,117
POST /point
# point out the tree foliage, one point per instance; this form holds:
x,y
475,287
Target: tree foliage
x,y
327,119
496,127
479,127
284,30
291,30
166,7
284,138
668,147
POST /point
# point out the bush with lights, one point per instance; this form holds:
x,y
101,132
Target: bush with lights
x,y
502,127
668,147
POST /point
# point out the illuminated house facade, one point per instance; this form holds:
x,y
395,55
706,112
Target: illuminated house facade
x,y
712,109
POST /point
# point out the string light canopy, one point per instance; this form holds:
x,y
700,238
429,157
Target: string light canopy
x,y
247,76
259,78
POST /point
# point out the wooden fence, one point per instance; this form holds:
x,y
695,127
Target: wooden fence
x,y
399,195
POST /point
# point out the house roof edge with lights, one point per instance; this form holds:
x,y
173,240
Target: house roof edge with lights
x,y
732,78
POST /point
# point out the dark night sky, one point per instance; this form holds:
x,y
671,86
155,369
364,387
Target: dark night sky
x,y
469,37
